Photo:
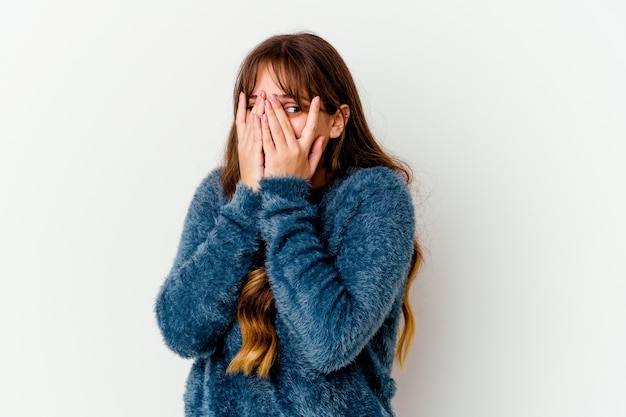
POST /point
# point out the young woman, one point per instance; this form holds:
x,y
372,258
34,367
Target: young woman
x,y
297,253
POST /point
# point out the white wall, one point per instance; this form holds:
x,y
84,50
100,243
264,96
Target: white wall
x,y
512,113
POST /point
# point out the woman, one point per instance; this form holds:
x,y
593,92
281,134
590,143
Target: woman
x,y
297,253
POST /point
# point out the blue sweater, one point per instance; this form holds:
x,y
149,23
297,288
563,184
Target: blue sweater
x,y
337,261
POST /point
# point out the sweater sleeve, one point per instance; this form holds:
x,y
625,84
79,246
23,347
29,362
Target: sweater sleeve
x,y
334,304
198,299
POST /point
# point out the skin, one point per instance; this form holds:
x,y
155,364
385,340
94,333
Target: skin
x,y
277,138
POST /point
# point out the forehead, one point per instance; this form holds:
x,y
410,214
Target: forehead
x,y
280,76
267,80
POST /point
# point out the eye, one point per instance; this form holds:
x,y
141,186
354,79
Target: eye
x,y
292,109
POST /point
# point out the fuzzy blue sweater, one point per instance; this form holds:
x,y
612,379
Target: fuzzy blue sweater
x,y
337,261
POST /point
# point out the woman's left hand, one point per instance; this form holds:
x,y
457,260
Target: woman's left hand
x,y
286,155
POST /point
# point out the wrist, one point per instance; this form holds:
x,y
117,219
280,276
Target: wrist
x,y
285,186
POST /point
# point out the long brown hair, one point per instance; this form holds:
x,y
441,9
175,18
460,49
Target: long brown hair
x,y
305,66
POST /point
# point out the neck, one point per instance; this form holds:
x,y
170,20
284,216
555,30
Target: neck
x,y
319,178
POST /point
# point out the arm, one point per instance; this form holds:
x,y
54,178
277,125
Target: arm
x,y
198,299
333,305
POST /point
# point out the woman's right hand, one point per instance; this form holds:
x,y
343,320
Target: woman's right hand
x,y
250,140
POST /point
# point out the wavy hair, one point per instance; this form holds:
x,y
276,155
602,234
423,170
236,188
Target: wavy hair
x,y
305,66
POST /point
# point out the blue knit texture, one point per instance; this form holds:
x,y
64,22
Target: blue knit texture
x,y
337,264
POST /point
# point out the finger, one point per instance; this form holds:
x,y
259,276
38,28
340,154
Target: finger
x,y
308,133
269,147
257,130
247,138
259,106
240,116
283,120
274,126
266,134
316,153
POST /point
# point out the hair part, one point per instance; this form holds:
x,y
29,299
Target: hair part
x,y
258,334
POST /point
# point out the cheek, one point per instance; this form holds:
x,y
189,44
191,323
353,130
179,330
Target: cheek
x,y
297,125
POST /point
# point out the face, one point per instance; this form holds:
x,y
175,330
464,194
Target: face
x,y
328,125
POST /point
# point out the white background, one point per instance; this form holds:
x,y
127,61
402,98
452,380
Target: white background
x,y
512,113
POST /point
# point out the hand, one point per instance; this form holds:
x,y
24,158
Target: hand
x,y
250,141
286,155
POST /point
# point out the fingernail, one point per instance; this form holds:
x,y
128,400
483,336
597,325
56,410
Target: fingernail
x,y
268,106
274,98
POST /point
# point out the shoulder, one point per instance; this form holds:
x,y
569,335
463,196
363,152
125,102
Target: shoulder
x,y
380,183
375,196
210,184
207,198
210,189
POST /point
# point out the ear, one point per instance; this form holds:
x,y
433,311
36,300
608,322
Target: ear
x,y
339,121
